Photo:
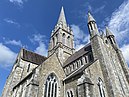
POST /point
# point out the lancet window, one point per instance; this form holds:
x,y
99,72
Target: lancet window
x,y
51,86
70,93
101,87
68,41
63,38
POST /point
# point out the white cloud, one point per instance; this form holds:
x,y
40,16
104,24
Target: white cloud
x,y
14,42
100,9
12,22
119,23
18,2
125,51
7,56
42,48
80,38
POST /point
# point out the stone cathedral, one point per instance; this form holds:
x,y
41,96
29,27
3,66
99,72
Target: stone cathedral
x,y
96,70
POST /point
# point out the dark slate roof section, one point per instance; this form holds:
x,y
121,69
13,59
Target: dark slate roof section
x,y
33,57
78,54
78,71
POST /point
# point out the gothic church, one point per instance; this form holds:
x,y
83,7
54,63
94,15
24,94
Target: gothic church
x,y
96,70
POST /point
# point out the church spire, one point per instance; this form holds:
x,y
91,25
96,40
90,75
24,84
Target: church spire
x,y
61,38
111,38
62,18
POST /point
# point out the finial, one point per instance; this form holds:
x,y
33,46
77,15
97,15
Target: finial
x,y
108,32
90,17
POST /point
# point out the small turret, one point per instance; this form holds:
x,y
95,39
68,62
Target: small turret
x,y
92,26
110,36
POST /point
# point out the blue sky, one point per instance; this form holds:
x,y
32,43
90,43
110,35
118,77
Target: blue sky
x,y
28,24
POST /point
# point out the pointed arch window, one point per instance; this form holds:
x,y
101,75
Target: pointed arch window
x,y
56,39
51,86
63,38
68,41
101,87
53,43
70,93
28,68
90,26
85,57
94,25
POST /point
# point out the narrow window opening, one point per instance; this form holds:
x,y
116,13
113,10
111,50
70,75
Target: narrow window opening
x,y
68,94
94,25
101,87
53,42
28,68
69,42
16,61
81,61
63,38
71,93
90,57
111,40
106,41
85,59
77,64
91,26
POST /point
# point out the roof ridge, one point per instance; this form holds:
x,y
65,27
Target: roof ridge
x,y
34,52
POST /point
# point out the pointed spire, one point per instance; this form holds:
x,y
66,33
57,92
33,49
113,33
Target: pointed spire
x,y
108,32
90,17
102,34
62,16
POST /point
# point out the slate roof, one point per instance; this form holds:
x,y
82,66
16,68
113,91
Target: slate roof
x,y
78,54
33,57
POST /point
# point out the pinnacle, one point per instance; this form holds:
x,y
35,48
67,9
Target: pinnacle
x,y
108,32
62,16
90,17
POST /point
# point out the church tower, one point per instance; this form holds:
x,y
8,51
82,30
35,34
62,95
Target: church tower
x,y
114,68
61,41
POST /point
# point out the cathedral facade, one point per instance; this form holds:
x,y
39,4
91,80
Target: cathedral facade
x,y
96,70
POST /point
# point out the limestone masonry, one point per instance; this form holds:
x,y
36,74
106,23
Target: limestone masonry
x,y
97,70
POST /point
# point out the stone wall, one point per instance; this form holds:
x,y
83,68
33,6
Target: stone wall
x,y
51,65
114,77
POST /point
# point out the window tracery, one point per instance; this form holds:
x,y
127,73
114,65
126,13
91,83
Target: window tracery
x,y
51,86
